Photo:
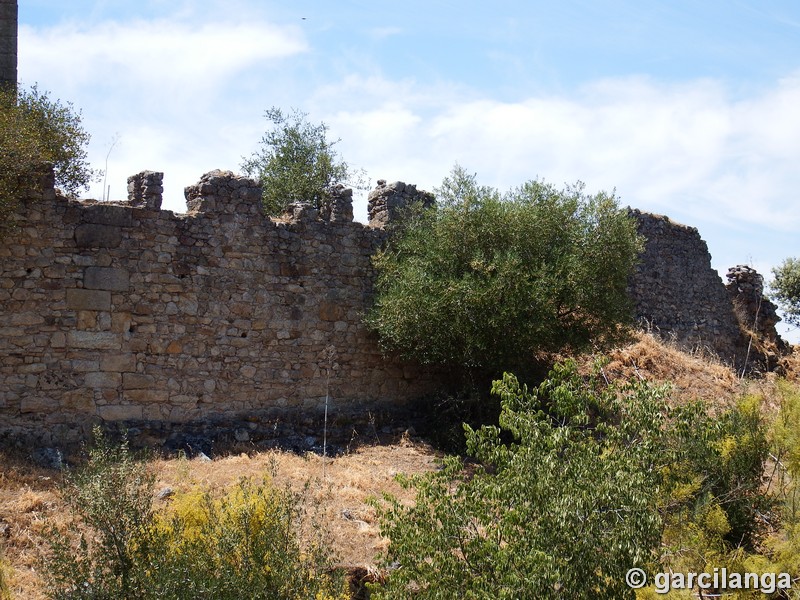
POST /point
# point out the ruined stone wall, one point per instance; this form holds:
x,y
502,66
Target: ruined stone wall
x,y
224,321
678,295
8,43
126,313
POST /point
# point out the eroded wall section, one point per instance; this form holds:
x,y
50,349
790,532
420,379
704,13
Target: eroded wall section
x,y
127,313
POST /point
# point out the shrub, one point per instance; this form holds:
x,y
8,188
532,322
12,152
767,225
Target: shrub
x,y
112,496
562,512
243,545
34,130
296,162
5,593
485,281
582,481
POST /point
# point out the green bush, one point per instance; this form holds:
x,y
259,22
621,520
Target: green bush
x,y
786,289
5,592
243,545
561,512
485,281
582,481
111,494
34,130
297,163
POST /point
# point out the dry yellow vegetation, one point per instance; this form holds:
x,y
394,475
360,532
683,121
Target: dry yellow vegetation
x,y
29,497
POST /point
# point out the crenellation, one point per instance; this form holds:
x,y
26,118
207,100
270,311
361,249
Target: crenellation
x,y
120,312
387,202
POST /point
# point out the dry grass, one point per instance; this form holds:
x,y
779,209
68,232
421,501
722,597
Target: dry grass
x,y
338,501
692,375
29,497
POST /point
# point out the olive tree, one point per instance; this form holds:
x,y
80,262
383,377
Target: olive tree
x,y
296,162
35,130
485,280
786,289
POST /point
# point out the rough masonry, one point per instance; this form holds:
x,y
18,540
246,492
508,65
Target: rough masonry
x,y
122,312
224,322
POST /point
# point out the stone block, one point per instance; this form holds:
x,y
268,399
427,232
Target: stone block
x,y
94,340
119,412
25,318
106,278
137,381
106,214
174,347
58,340
79,401
90,235
79,299
87,319
37,404
330,311
183,399
121,322
146,396
102,380
118,362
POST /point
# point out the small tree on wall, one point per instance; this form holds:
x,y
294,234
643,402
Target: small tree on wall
x,y
786,289
297,163
35,130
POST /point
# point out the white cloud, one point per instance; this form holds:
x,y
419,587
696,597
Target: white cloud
x,y
689,149
157,54
164,86
381,33
189,97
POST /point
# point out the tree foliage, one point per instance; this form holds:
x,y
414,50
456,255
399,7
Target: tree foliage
x,y
786,289
582,481
484,280
296,162
34,129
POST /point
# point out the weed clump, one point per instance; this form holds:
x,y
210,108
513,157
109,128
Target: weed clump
x,y
244,544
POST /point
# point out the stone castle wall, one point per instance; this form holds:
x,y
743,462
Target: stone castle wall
x,y
222,319
126,313
676,292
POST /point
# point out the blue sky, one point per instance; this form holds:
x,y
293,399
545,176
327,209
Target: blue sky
x,y
686,108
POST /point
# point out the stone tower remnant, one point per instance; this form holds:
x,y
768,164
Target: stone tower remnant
x,y
8,43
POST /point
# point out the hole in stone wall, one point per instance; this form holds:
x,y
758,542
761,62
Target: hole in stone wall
x,y
29,270
244,334
131,328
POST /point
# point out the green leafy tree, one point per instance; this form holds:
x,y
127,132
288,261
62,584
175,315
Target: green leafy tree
x,y
582,481
297,163
34,130
786,289
561,512
485,280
